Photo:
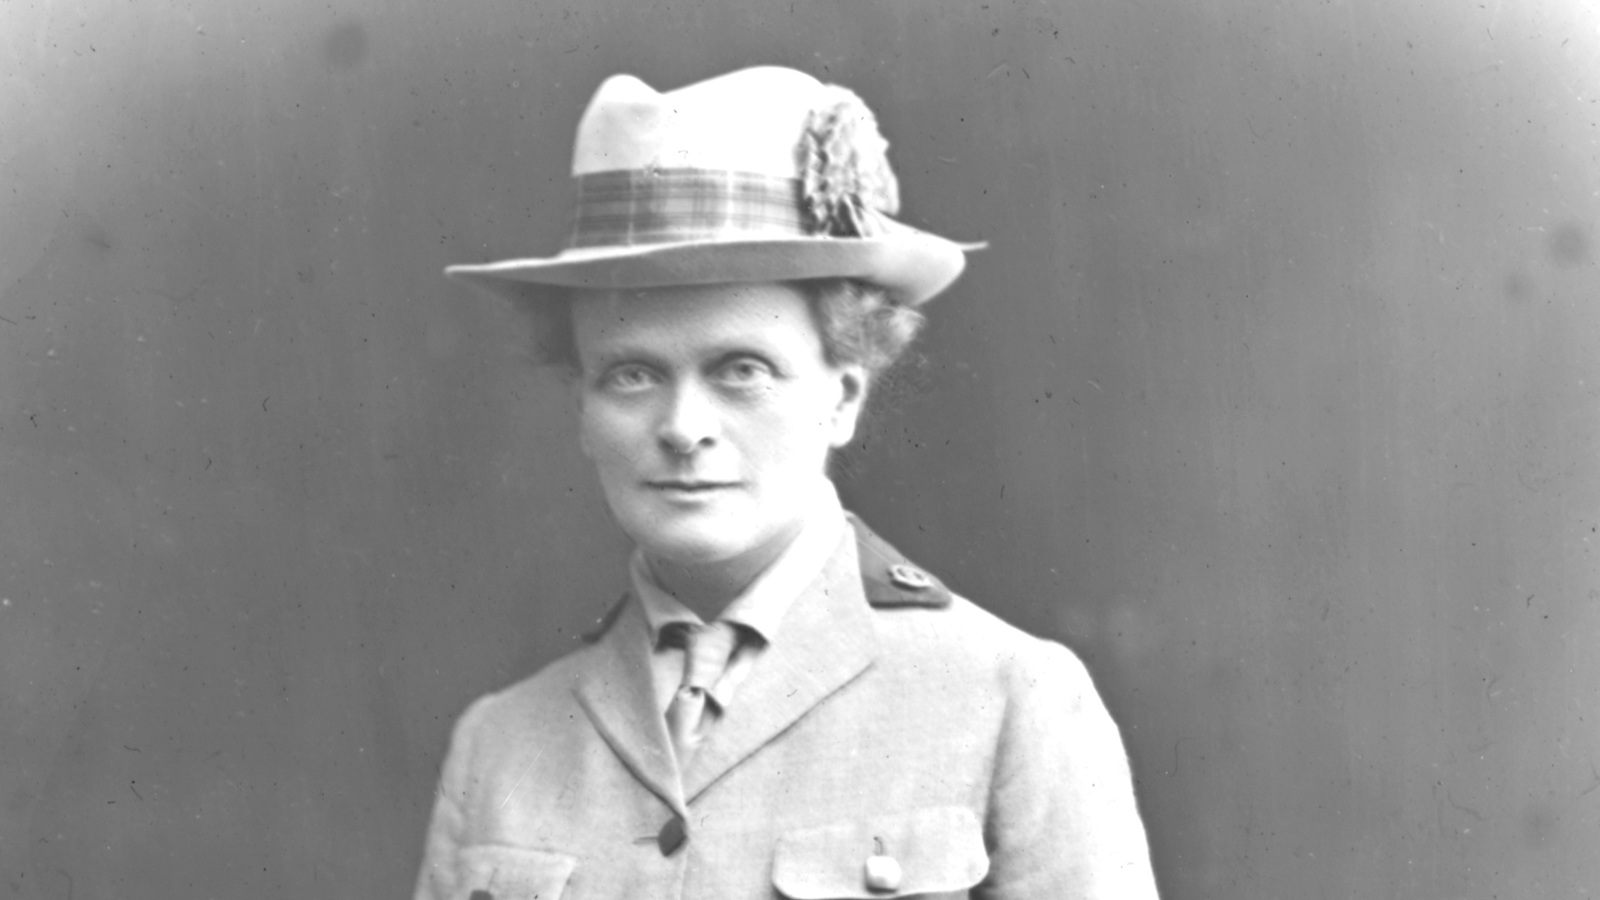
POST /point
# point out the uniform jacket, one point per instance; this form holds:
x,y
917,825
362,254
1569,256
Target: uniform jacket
x,y
888,718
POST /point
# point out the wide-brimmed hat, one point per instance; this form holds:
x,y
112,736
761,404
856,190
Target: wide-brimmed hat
x,y
763,174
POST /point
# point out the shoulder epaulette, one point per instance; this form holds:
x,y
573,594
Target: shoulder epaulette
x,y
889,579
593,635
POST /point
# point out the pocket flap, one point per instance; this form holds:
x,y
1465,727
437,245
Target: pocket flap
x,y
513,873
934,850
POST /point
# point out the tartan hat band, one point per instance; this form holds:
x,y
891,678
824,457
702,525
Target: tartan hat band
x,y
630,208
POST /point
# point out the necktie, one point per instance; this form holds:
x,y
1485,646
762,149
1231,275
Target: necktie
x,y
706,649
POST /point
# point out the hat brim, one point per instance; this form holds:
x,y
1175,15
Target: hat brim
x,y
913,266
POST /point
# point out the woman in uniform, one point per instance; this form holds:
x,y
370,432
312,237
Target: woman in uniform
x,y
783,705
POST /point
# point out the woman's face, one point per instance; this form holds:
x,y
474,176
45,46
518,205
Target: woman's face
x,y
709,412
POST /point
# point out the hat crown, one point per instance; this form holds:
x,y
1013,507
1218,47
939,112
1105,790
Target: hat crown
x,y
745,121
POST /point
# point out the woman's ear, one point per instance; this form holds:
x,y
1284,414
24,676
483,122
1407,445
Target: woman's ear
x,y
852,380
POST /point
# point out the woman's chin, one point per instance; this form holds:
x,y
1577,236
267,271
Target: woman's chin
x,y
693,543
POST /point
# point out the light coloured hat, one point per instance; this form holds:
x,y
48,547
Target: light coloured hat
x,y
763,174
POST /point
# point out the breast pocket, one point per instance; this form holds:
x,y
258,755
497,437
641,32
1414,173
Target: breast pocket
x,y
494,872
923,852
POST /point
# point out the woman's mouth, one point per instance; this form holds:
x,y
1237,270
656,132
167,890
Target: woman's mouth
x,y
685,488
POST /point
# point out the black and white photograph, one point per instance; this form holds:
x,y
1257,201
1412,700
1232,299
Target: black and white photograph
x,y
813,449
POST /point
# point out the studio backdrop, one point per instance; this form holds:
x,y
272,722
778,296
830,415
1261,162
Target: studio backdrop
x,y
1276,396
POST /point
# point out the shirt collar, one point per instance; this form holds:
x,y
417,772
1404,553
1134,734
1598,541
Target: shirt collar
x,y
762,605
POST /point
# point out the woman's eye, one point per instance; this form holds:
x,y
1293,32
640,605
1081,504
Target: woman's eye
x,y
744,372
628,378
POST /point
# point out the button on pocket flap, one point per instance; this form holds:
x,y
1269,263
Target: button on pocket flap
x,y
513,873
921,852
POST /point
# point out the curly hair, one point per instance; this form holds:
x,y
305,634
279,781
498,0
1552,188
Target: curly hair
x,y
859,323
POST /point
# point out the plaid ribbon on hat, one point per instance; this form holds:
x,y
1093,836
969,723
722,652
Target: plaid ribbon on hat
x,y
664,206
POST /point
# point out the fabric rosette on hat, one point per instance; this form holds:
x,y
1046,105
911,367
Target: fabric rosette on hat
x,y
760,175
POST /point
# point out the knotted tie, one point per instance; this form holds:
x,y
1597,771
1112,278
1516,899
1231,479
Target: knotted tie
x,y
706,649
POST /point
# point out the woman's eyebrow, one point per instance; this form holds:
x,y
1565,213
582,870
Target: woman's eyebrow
x,y
735,348
712,353
623,352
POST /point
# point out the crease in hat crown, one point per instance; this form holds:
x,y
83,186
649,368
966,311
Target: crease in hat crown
x,y
763,174
629,125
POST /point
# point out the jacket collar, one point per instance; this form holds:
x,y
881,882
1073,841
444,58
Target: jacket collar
x,y
614,688
827,639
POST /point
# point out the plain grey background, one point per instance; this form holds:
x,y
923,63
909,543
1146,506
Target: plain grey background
x,y
1275,397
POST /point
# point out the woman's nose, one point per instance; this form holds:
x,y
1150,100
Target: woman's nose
x,y
689,421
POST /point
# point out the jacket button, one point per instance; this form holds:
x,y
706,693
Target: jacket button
x,y
883,873
672,836
910,577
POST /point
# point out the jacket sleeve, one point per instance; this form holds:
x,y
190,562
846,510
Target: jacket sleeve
x,y
447,828
1062,820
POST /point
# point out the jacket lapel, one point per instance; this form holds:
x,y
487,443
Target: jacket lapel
x,y
826,640
616,691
